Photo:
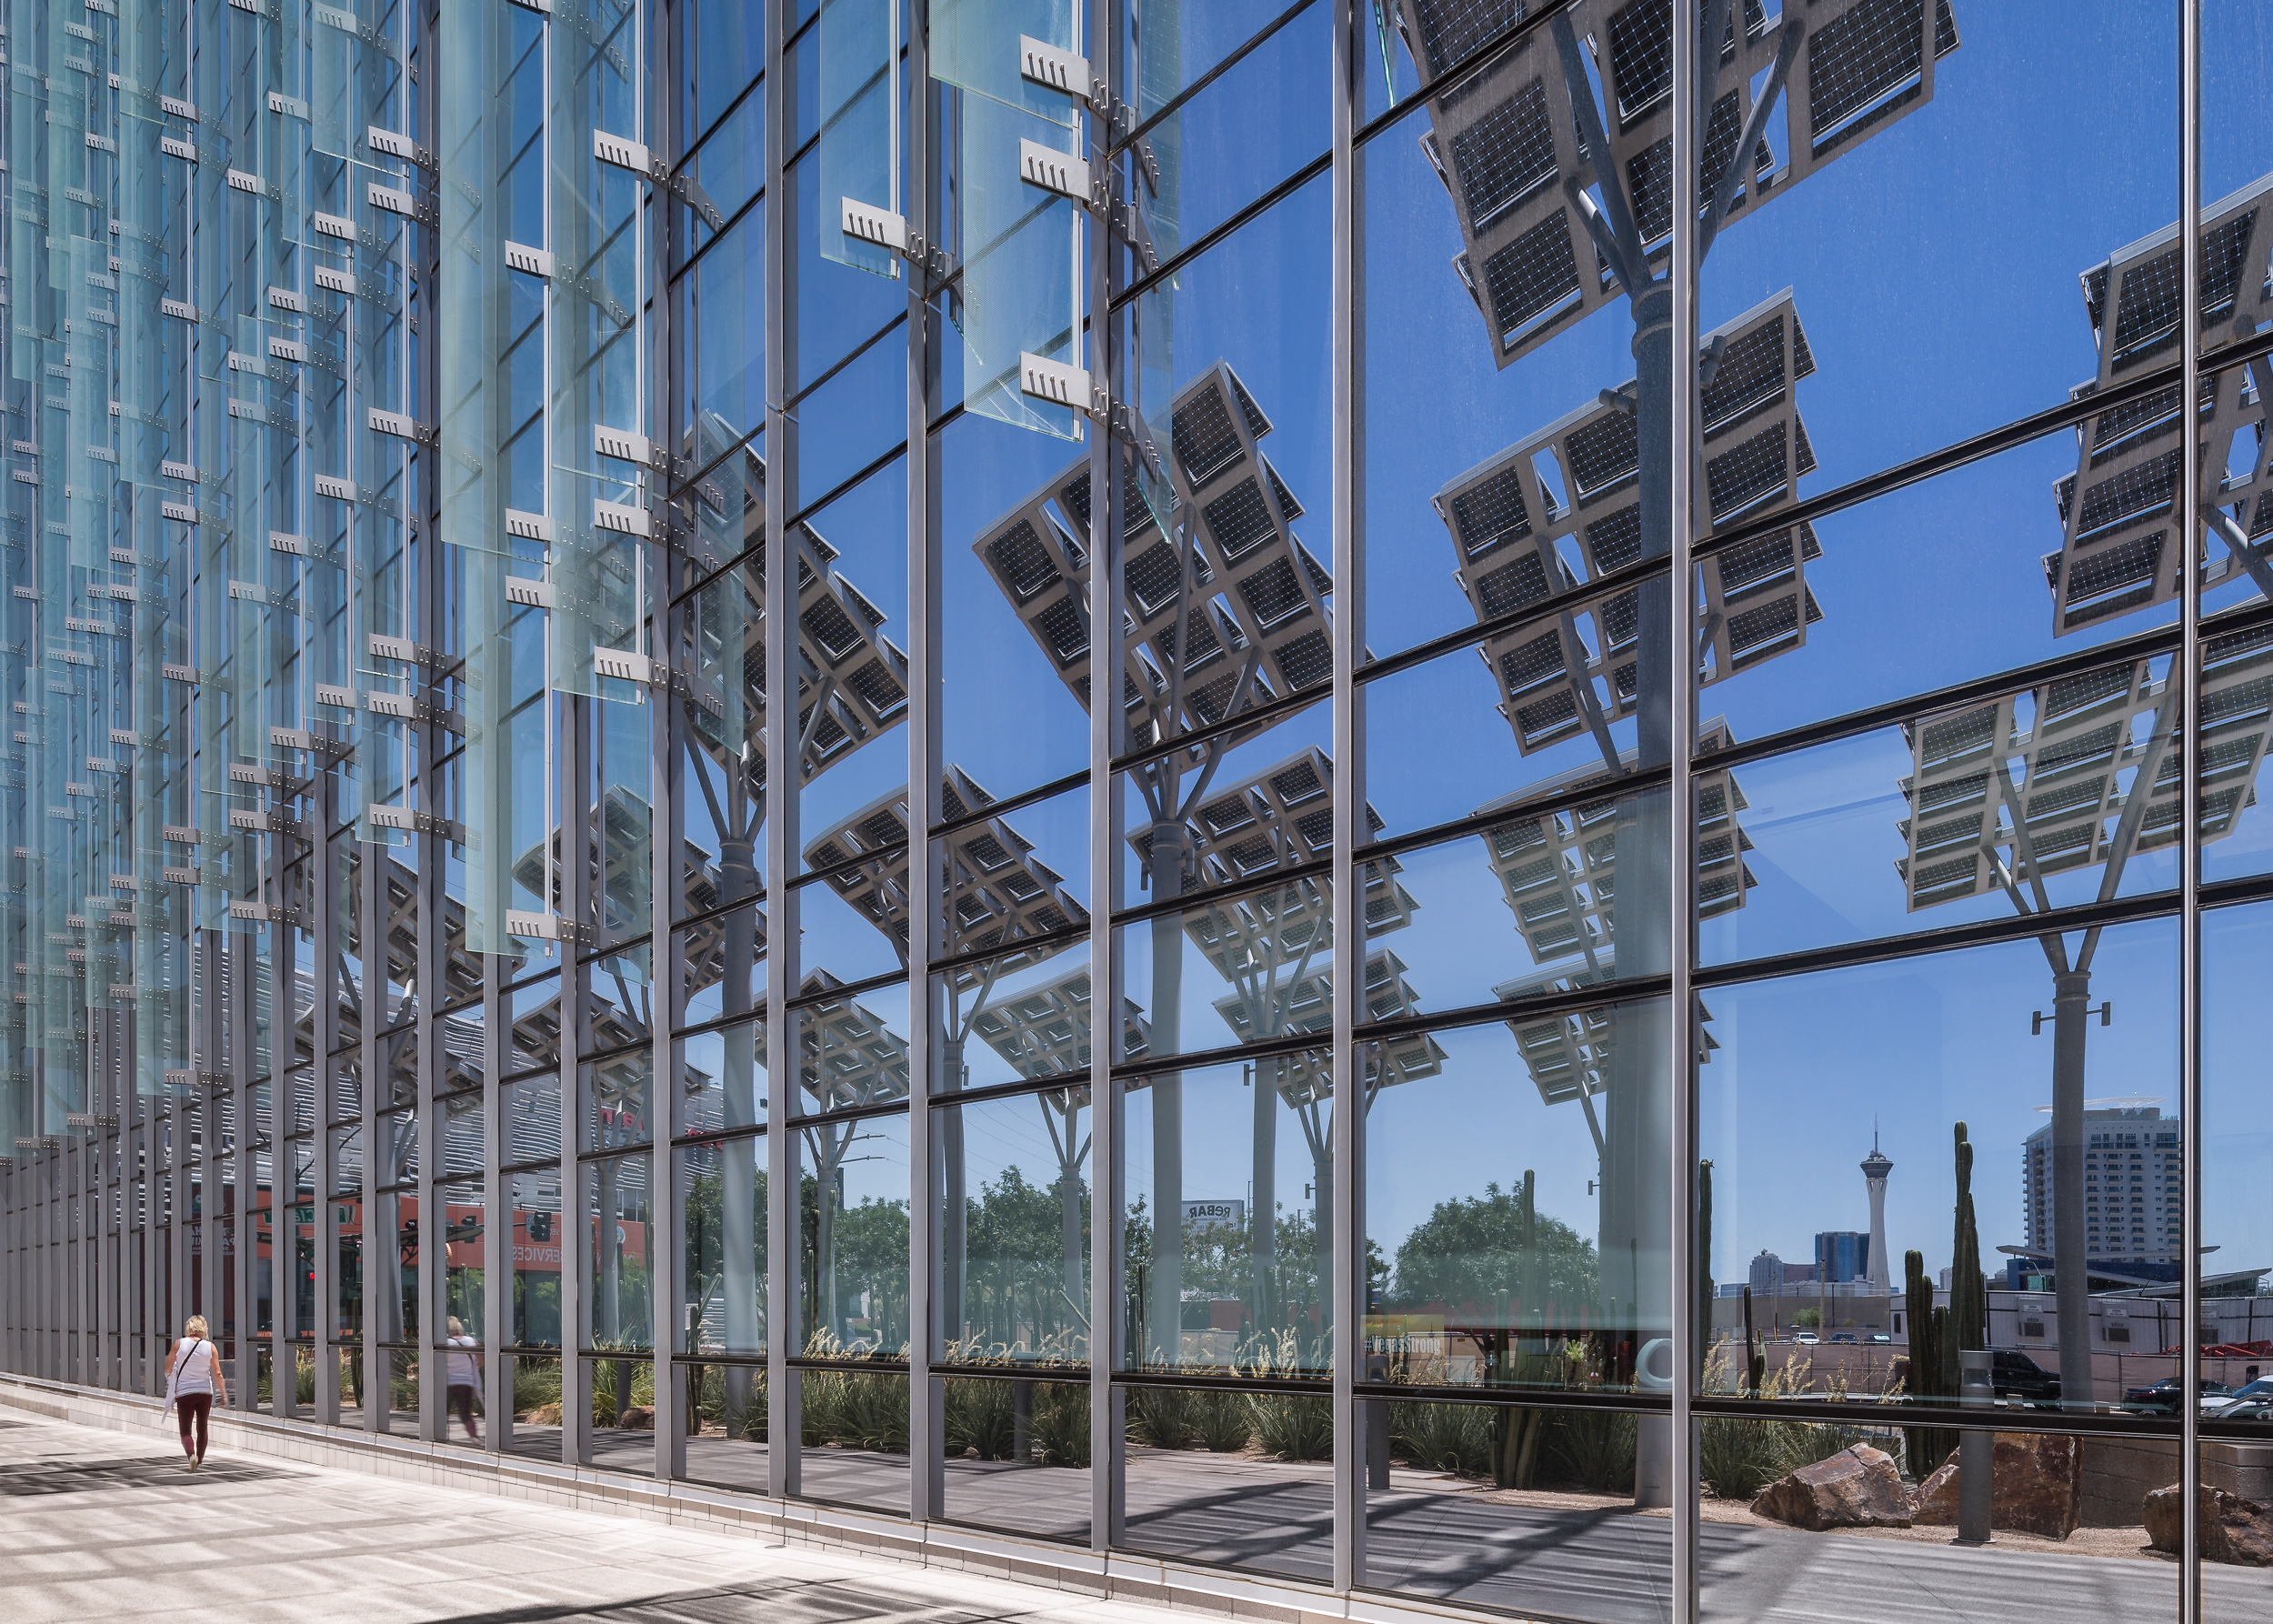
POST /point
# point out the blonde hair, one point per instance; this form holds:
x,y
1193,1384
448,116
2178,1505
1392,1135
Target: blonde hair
x,y
456,1329
197,1327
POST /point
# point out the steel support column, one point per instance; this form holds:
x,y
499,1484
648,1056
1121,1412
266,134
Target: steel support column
x,y
783,1328
322,1329
2188,670
1684,459
930,1069
674,1414
1347,1068
1107,595
575,1229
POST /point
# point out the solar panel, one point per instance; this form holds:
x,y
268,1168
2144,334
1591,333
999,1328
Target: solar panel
x,y
1555,681
1235,584
847,670
1557,869
997,892
1278,817
1044,1032
1506,139
847,1058
2038,782
1569,1055
2116,509
1305,1003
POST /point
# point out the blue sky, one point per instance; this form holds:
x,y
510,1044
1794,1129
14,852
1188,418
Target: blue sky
x,y
1935,270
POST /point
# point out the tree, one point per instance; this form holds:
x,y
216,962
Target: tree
x,y
1472,1256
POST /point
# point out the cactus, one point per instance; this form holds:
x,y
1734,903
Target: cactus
x,y
1703,1270
1930,1347
1968,1290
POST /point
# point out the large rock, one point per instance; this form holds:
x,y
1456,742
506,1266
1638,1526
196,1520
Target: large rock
x,y
2035,1487
639,1417
1857,1488
2229,1529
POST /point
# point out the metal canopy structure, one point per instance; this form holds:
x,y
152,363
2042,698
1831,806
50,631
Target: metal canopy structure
x,y
1306,1004
1573,490
847,1058
1234,616
852,680
2089,775
1559,870
1044,1032
2048,780
2119,509
997,892
1278,818
1569,1055
1513,154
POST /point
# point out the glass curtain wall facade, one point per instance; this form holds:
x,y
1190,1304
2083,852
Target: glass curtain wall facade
x,y
1430,1092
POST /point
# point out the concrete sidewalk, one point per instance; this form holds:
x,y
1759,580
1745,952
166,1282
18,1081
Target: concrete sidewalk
x,y
98,1526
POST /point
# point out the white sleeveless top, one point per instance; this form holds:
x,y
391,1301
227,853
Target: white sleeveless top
x,y
193,1368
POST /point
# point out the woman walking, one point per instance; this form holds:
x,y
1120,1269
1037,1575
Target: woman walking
x,y
464,1379
193,1380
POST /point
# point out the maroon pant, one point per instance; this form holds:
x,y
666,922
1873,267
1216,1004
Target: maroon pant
x,y
194,1407
462,1396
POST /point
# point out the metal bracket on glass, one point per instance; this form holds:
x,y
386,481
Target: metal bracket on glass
x,y
628,665
315,744
398,147
402,649
545,928
634,447
1061,384
534,262
1063,173
90,1118
393,200
416,823
1097,190
262,913
890,231
634,156
401,426
265,823
529,592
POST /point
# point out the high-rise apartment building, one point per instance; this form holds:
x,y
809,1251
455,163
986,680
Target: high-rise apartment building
x,y
2134,1186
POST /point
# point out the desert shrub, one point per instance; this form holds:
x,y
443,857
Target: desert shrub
x,y
1449,1437
1060,1428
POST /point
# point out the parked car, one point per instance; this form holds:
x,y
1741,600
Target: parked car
x,y
2161,1398
1844,1337
1805,1338
2257,1409
2259,1391
2014,1375
1878,1337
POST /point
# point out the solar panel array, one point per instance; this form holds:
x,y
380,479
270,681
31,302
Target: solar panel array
x,y
2119,509
997,891
2036,782
1044,1032
1558,870
1520,540
1569,1055
852,680
1306,1004
847,1058
1234,611
1506,141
